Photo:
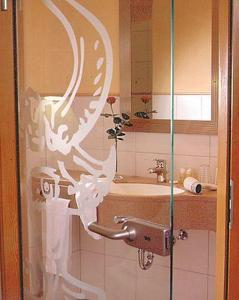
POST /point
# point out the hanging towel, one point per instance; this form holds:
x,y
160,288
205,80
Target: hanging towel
x,y
57,224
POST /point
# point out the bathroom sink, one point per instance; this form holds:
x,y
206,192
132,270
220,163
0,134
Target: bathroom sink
x,y
142,189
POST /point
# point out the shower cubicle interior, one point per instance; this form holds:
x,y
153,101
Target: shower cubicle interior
x,y
71,60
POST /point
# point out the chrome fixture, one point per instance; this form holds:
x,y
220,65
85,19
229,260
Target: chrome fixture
x,y
182,235
145,261
160,170
126,233
138,233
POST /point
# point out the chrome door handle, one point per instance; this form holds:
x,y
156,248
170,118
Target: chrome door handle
x,y
138,233
4,5
124,234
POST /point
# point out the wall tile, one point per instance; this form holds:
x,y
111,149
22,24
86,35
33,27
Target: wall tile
x,y
162,260
94,139
120,249
145,161
75,233
126,162
212,253
189,285
92,271
74,264
153,283
211,288
214,145
188,107
152,142
213,166
192,144
206,108
193,162
120,278
128,144
162,104
88,243
192,254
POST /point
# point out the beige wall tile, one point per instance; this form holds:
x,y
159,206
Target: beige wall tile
x,y
92,271
192,254
191,144
212,253
213,166
126,163
75,233
214,145
153,283
189,285
120,249
211,288
87,243
152,142
120,278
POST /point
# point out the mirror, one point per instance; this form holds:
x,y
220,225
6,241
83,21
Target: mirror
x,y
145,45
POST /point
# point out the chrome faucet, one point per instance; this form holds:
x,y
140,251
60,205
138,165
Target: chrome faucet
x,y
160,170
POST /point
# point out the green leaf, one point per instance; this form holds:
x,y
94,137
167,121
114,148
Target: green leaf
x,y
117,129
106,115
117,120
111,131
125,116
120,139
121,134
142,115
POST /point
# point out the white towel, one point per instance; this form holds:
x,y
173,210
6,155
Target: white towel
x,y
57,224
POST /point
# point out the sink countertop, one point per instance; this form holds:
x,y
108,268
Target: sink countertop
x,y
204,196
191,211
186,195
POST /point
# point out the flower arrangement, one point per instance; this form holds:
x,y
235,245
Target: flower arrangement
x,y
119,121
146,113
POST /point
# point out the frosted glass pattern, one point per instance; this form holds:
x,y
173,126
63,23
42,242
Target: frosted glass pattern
x,y
49,128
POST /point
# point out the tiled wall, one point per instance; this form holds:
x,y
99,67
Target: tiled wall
x,y
186,107
113,266
137,151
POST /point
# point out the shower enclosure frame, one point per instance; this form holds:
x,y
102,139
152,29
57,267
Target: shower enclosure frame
x,y
10,226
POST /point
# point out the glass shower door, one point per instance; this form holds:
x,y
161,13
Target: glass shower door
x,y
68,96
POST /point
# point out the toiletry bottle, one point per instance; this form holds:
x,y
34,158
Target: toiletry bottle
x,y
182,174
189,173
192,185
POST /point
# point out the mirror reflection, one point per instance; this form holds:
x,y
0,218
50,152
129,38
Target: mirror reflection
x,y
150,59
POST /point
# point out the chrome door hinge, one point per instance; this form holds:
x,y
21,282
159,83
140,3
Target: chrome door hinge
x,y
231,205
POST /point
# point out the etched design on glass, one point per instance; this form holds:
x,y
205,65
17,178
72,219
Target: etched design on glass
x,y
47,127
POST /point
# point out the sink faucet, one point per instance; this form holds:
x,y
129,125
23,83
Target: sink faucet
x,y
160,170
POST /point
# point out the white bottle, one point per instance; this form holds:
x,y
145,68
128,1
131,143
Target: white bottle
x,y
192,185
